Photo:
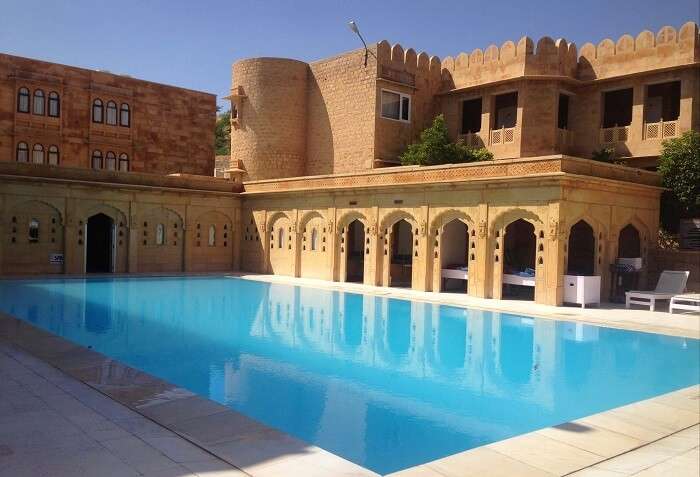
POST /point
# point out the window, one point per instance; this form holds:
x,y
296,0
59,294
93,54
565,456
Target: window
x,y
617,108
111,113
212,235
234,111
124,119
471,116
563,117
22,152
280,237
160,234
54,105
97,159
33,230
314,239
38,154
506,107
111,161
663,102
97,111
53,155
23,100
123,162
396,106
38,102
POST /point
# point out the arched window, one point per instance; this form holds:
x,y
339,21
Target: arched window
x,y
280,237
97,159
33,230
112,113
314,239
124,118
22,152
39,105
54,105
97,116
212,235
23,100
38,154
53,155
160,234
123,162
110,161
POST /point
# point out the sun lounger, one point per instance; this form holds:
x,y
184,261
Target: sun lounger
x,y
688,302
670,284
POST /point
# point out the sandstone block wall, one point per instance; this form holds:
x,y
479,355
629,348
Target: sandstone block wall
x,y
171,129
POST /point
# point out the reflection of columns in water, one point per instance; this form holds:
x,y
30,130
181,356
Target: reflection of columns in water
x,y
342,410
476,347
420,312
496,342
544,360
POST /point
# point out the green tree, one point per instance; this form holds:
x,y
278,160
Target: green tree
x,y
679,165
435,148
222,134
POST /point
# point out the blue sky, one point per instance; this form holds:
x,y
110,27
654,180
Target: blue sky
x,y
192,44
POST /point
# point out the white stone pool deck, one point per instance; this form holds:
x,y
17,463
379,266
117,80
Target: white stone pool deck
x,y
67,410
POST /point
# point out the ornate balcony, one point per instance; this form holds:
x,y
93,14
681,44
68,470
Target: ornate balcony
x,y
614,134
502,136
661,130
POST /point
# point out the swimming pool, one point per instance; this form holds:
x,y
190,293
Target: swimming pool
x,y
385,383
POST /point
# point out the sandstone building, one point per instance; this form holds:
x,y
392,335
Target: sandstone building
x,y
522,99
322,197
67,116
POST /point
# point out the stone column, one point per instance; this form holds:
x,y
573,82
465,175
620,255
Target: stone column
x,y
637,125
373,261
483,261
332,259
132,244
419,268
236,238
549,289
73,240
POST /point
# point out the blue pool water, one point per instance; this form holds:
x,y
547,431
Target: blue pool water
x,y
385,383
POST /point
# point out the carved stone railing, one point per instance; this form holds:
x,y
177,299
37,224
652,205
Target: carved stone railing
x,y
472,139
660,130
502,136
614,134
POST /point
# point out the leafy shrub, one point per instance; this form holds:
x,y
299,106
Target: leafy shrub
x,y
679,165
607,154
435,148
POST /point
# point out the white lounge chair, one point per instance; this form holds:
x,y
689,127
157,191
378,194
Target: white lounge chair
x,y
687,302
670,284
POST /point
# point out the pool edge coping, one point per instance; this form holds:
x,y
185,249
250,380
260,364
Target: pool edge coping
x,y
78,362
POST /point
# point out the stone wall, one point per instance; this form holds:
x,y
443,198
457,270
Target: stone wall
x,y
158,227
689,260
171,129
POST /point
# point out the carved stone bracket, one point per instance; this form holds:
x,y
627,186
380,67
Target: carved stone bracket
x,y
482,229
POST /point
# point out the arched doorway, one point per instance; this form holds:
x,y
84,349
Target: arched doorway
x,y
354,254
454,251
628,243
99,253
401,264
519,251
581,250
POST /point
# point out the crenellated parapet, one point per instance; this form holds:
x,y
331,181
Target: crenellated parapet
x,y
511,60
405,66
647,51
